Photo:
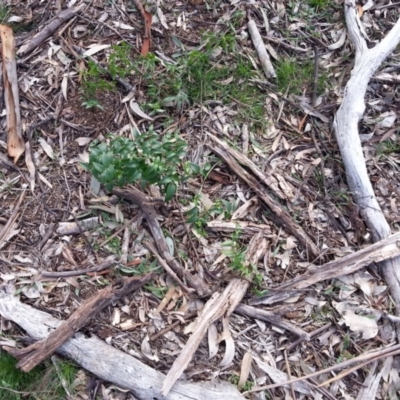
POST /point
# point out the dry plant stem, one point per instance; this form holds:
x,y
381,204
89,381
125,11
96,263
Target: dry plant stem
x,y
78,272
39,351
106,362
261,51
364,359
222,150
367,61
375,252
34,42
145,203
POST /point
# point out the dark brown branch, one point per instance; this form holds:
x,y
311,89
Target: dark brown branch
x,y
145,203
39,351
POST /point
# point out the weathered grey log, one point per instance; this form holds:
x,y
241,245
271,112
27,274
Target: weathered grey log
x,y
105,361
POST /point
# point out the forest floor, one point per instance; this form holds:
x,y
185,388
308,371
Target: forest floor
x,y
202,76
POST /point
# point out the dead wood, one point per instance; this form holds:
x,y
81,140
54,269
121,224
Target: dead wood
x,y
73,228
363,360
106,362
232,158
376,252
145,203
219,305
34,354
63,274
246,228
367,61
15,142
261,51
48,30
272,318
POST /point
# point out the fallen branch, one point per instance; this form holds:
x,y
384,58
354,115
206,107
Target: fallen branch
x,y
229,155
60,19
219,305
377,252
106,362
146,205
272,318
34,354
260,47
367,61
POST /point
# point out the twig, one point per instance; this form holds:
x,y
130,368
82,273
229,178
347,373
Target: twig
x,y
164,264
146,205
47,235
66,274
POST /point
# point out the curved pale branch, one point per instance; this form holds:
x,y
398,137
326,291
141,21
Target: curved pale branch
x,y
367,61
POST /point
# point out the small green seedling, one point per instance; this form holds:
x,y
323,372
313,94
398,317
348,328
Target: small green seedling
x,y
148,159
93,103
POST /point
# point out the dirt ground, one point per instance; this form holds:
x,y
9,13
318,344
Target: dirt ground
x,y
203,76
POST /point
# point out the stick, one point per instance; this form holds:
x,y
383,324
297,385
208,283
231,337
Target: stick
x,y
39,351
145,204
220,304
284,219
376,252
63,17
260,47
107,362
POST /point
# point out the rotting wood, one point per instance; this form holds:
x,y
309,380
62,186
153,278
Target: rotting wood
x,y
284,219
15,142
367,61
105,361
376,252
34,354
219,305
60,19
146,205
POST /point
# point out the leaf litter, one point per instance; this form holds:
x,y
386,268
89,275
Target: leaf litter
x,y
66,103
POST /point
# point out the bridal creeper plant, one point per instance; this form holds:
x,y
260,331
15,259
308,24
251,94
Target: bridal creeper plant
x,y
149,159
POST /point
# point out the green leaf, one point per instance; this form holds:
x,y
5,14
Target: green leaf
x,y
195,168
170,191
